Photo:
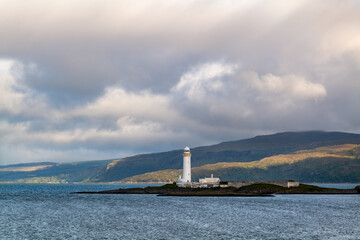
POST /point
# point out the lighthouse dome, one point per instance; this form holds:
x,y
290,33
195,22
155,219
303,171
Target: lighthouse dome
x,y
187,149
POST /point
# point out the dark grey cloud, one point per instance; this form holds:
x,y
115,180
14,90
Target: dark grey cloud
x,y
103,79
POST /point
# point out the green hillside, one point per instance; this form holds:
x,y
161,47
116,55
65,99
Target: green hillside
x,y
339,163
237,152
52,172
247,150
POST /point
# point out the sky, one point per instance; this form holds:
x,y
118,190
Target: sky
x,y
104,79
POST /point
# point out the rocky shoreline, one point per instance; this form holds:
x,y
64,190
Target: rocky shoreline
x,y
256,190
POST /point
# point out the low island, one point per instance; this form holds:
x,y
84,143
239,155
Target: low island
x,y
255,190
213,187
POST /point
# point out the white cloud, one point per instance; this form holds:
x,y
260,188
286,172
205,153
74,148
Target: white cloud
x,y
242,95
202,79
11,96
16,98
291,86
117,102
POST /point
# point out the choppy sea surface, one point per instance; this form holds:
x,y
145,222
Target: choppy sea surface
x,y
45,211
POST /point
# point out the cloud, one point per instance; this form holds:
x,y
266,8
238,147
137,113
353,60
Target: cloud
x,y
17,99
291,85
202,79
10,98
117,102
246,101
207,95
109,78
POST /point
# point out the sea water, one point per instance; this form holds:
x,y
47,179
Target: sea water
x,y
45,211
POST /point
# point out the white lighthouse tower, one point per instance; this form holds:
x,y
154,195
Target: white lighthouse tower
x,y
186,166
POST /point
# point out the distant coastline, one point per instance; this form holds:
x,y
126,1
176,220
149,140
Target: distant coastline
x,y
314,157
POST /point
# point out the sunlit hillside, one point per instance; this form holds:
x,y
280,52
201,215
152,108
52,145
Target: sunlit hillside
x,y
306,156
342,159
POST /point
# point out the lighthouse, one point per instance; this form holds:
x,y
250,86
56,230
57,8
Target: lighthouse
x,y
186,166
185,181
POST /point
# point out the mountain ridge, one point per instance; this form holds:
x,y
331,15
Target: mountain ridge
x,y
245,150
340,156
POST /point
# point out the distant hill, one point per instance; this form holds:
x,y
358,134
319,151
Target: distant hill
x,y
339,163
242,151
53,172
247,150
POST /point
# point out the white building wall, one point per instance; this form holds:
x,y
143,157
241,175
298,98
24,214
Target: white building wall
x,y
209,180
239,184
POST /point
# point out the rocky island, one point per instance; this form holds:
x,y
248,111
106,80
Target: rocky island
x,y
255,190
